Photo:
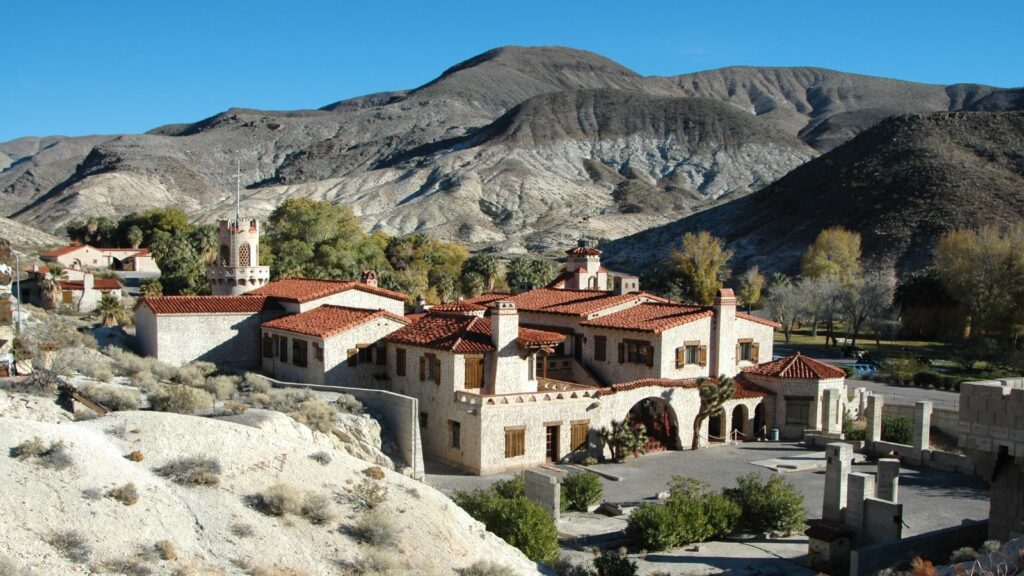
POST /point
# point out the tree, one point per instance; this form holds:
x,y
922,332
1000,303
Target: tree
x,y
480,273
787,305
701,264
713,394
182,271
835,253
134,236
110,310
151,287
751,283
623,440
863,298
527,273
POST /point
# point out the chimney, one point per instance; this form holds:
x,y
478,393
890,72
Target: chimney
x,y
626,285
370,278
421,304
504,324
723,338
507,373
87,283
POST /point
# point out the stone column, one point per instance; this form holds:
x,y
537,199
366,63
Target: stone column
x,y
838,457
862,487
888,479
922,424
832,422
874,431
544,490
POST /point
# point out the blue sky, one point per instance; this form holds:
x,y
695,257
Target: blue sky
x,y
75,67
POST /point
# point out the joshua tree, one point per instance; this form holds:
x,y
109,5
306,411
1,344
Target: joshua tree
x,y
713,394
624,440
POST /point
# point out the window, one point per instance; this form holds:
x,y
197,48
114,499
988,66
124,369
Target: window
x,y
400,361
474,372
578,435
636,352
454,434
268,346
299,350
515,442
282,348
382,354
225,253
365,354
430,368
319,351
747,351
600,348
798,410
244,256
352,356
423,419
691,353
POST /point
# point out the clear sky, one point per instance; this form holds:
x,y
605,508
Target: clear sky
x,y
77,67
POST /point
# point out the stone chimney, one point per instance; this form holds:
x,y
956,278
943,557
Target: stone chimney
x,y
626,285
87,283
421,304
508,374
369,277
723,337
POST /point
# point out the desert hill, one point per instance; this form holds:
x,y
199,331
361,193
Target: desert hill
x,y
901,184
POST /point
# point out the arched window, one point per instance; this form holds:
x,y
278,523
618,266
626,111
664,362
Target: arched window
x,y
592,282
225,255
243,255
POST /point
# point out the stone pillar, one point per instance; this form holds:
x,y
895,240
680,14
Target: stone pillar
x,y
888,479
862,487
838,457
874,431
883,521
544,490
832,419
922,424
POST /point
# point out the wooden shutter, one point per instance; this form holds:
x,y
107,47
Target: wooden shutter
x,y
423,368
437,370
474,372
680,356
622,352
755,350
400,361
703,356
650,355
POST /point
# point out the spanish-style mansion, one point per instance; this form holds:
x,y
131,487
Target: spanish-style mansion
x,y
504,381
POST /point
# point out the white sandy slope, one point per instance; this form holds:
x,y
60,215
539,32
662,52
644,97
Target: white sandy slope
x,y
433,535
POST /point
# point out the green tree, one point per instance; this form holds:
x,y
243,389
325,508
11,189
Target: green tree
x,y
701,264
751,283
835,253
151,287
134,236
182,270
110,310
713,394
771,505
624,439
505,511
480,274
527,273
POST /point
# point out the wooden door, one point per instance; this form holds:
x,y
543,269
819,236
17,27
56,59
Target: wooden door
x,y
552,443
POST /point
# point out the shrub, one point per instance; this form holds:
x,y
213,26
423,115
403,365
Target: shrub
x,y
127,566
254,382
897,430
70,544
135,456
317,508
222,387
581,490
964,554
375,528
253,569
486,568
614,563
375,472
166,550
115,398
369,494
235,407
242,530
653,527
279,500
192,471
514,487
316,414
768,506
852,430
349,404
565,567
126,494
693,513
29,448
324,458
373,562
180,399
55,456
927,379
515,519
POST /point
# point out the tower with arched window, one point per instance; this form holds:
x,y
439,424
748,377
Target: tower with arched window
x,y
236,269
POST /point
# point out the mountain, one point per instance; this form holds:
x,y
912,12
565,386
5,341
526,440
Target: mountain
x,y
901,184
510,149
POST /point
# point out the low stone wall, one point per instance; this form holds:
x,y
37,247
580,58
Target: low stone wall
x,y
948,421
935,546
400,412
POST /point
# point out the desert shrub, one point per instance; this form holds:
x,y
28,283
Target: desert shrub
x,y
115,398
279,500
180,399
369,494
852,430
927,379
84,415
235,407
91,365
614,563
242,530
316,508
126,494
374,527
146,382
316,414
321,457
55,455
194,374
348,403
126,566
515,519
693,513
135,456
768,506
990,547
192,471
964,554
897,430
288,399
375,472
9,568
581,490
70,544
166,550
222,387
373,562
486,568
653,527
564,566
255,383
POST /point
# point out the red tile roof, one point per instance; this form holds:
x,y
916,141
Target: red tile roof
x,y
746,389
759,320
63,250
464,334
567,302
326,321
204,304
797,366
459,306
648,382
651,317
583,251
306,289
97,284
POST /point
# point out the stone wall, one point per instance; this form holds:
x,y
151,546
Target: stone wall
x,y
231,341
948,421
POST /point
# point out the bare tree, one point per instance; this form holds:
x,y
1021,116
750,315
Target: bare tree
x,y
787,305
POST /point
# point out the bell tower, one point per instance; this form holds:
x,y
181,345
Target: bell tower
x,y
236,269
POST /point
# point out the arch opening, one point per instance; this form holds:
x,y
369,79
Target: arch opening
x,y
659,421
738,425
760,424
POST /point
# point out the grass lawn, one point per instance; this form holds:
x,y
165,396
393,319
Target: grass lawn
x,y
803,340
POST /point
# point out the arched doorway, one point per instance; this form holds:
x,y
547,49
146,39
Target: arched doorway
x,y
716,427
760,423
738,427
659,420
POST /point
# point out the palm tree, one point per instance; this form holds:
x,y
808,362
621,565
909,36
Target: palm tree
x,y
713,394
110,310
50,285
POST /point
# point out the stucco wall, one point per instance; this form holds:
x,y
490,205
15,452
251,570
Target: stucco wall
x,y
231,341
800,388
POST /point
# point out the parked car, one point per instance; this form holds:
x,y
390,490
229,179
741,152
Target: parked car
x,y
861,370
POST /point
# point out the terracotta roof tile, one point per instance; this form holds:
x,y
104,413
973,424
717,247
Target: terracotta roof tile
x,y
651,317
97,284
63,250
746,389
797,366
204,304
566,302
759,320
306,289
326,321
463,334
583,251
459,306
648,382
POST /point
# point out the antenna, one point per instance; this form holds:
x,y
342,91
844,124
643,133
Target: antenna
x,y
238,193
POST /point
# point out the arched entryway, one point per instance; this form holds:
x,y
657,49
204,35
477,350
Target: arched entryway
x,y
716,427
738,424
760,430
659,421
